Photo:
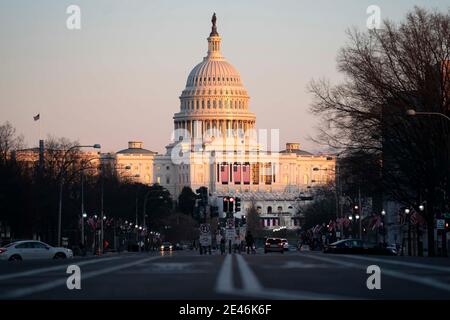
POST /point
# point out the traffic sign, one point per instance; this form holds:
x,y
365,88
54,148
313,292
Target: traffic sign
x,y
205,228
440,224
230,223
447,215
205,240
230,234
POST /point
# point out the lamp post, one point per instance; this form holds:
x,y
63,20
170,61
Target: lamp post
x,y
82,209
412,113
383,213
61,182
407,211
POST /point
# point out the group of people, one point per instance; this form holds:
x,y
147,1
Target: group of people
x,y
315,240
239,246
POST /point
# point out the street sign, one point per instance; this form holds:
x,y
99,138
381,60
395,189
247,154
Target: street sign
x,y
440,224
205,240
230,234
205,228
447,215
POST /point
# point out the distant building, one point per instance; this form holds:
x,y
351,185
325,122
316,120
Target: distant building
x,y
134,163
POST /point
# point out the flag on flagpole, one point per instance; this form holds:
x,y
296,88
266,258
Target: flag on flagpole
x,y
37,117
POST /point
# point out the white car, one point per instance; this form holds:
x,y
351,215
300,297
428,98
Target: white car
x,y
32,249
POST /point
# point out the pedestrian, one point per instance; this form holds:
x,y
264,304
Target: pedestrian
x,y
250,242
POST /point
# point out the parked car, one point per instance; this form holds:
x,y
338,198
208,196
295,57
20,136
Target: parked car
x,y
166,246
356,246
273,244
31,249
177,246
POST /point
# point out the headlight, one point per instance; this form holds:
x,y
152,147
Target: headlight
x,y
162,247
170,247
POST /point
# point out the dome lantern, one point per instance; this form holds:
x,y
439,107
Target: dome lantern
x,y
214,41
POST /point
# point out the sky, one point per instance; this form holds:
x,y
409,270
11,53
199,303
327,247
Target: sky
x,y
120,76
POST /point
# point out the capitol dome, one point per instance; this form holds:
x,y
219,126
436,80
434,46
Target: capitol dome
x,y
214,96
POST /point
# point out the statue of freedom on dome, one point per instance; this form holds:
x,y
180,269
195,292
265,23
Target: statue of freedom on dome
x,y
214,28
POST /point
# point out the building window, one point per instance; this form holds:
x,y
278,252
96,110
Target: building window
x,y
269,210
158,180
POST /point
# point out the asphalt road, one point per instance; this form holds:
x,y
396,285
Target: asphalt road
x,y
188,275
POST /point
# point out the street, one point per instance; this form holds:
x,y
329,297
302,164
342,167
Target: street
x,y
188,275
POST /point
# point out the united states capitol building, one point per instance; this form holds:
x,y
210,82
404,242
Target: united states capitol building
x,y
216,144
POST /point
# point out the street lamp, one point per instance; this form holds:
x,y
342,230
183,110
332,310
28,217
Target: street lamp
x,y
383,212
61,178
412,113
407,211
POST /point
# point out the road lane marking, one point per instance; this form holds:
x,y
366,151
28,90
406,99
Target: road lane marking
x,y
224,282
49,269
249,279
253,288
409,277
401,263
277,294
19,293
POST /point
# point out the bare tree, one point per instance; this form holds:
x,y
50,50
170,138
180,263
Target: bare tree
x,y
387,72
253,221
9,141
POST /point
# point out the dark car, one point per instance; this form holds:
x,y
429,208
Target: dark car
x,y
166,246
273,244
356,246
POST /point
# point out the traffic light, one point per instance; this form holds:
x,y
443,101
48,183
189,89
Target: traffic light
x,y
237,204
231,205
225,204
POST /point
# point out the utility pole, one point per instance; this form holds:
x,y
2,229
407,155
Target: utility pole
x,y
82,208
60,209
101,215
360,212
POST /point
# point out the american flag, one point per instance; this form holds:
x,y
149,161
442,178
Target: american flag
x,y
237,173
91,223
376,222
246,173
417,218
224,172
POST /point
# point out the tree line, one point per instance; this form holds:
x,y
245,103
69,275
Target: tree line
x,y
385,150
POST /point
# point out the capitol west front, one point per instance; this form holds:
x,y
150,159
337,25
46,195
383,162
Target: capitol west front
x,y
215,144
